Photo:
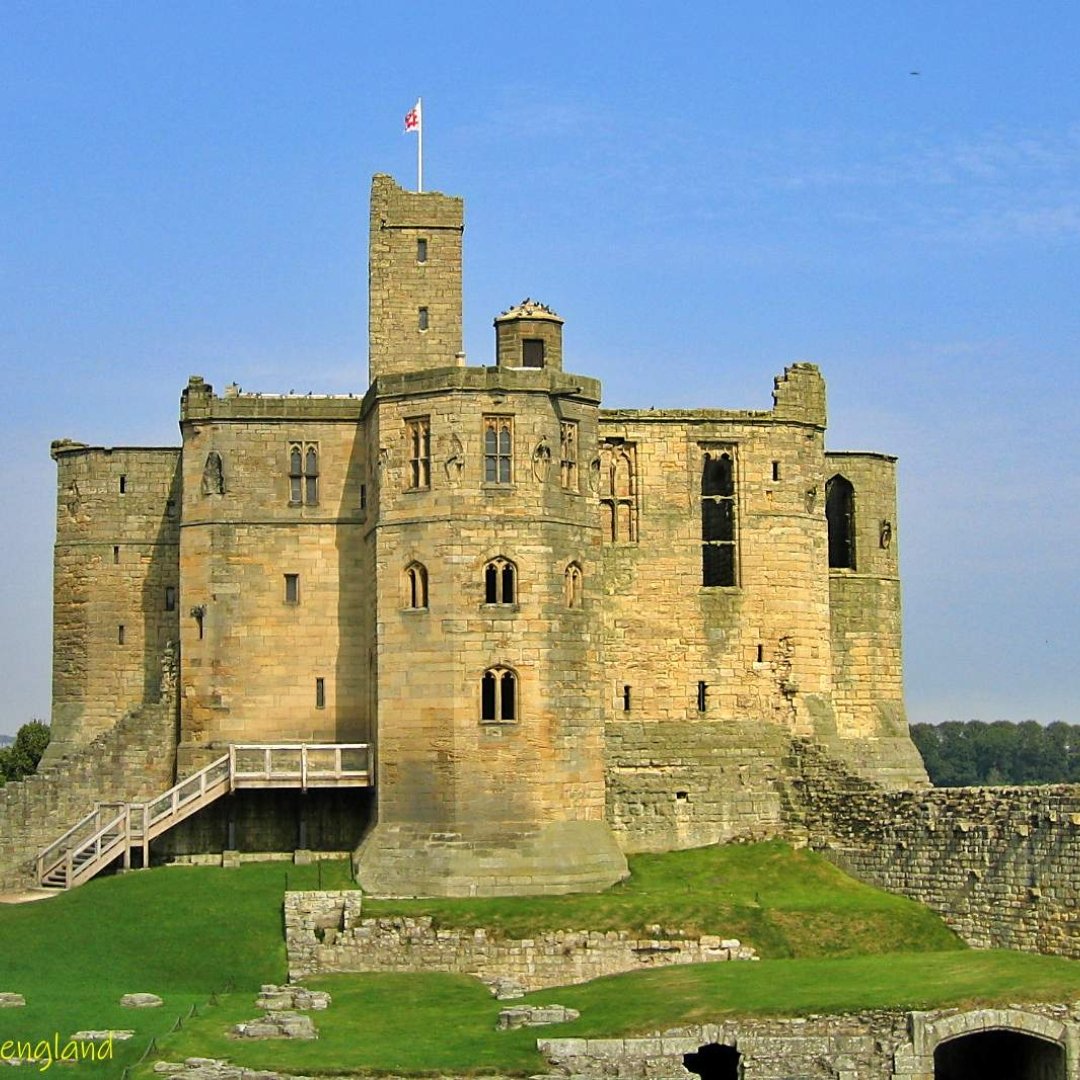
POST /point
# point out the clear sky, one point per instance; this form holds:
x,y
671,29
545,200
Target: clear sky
x,y
706,192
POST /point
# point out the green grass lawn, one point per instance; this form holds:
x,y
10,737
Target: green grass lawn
x,y
785,903
446,1023
190,933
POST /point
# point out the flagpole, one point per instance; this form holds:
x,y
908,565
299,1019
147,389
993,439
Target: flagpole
x,y
420,145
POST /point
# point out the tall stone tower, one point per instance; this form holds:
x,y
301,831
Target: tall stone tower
x,y
486,667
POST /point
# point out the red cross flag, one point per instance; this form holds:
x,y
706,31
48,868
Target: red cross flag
x,y
413,118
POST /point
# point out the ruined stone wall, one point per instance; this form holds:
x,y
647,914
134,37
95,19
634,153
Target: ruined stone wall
x,y
403,279
261,663
1000,865
115,584
871,1045
325,932
131,761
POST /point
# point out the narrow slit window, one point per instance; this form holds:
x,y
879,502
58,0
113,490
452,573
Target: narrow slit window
x,y
574,583
626,699
170,597
363,496
776,470
840,516
320,693
123,484
292,588
296,475
120,634
422,318
701,691
416,586
421,250
116,554
311,476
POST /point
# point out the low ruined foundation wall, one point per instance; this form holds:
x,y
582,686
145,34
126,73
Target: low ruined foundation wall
x,y
1001,865
325,932
877,1045
133,760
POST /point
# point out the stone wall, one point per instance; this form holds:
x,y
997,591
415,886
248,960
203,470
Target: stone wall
x,y
131,761
679,784
1001,865
325,932
115,584
880,1045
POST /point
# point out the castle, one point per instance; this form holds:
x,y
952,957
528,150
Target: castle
x,y
565,632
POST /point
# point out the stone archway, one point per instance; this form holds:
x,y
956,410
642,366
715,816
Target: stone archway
x,y
714,1061
984,1055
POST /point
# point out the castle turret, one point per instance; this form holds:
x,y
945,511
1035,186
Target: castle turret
x,y
529,335
414,279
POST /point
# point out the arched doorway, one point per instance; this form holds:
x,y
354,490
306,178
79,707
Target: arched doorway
x,y
714,1062
1010,1055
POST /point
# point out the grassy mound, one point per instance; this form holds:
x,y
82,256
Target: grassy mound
x,y
785,903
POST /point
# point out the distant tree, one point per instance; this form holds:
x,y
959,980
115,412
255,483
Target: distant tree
x,y
22,756
973,753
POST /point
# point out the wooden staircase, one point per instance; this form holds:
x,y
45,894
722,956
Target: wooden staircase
x,y
113,830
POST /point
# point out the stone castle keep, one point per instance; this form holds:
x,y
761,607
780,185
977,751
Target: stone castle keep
x,y
565,632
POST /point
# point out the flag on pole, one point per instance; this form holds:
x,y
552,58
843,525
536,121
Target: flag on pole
x,y
414,121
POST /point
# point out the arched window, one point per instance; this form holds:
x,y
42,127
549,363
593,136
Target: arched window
x,y
296,475
500,582
498,449
498,696
416,585
573,583
303,474
617,487
718,518
840,515
311,476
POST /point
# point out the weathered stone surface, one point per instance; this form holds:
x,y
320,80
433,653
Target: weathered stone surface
x,y
553,958
11,1000
1001,865
503,989
101,1036
518,1016
141,1001
291,997
275,1024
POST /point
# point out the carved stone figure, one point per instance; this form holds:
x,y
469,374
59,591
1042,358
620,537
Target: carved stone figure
x,y
213,476
541,460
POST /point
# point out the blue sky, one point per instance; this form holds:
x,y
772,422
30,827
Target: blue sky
x,y
705,191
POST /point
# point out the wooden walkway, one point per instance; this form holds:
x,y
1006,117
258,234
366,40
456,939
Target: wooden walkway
x,y
113,830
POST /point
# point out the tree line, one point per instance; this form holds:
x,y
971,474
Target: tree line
x,y
963,754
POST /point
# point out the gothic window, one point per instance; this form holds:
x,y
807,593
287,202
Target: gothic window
x,y
574,582
618,492
718,518
840,515
416,585
500,582
498,696
498,449
303,474
568,454
418,434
